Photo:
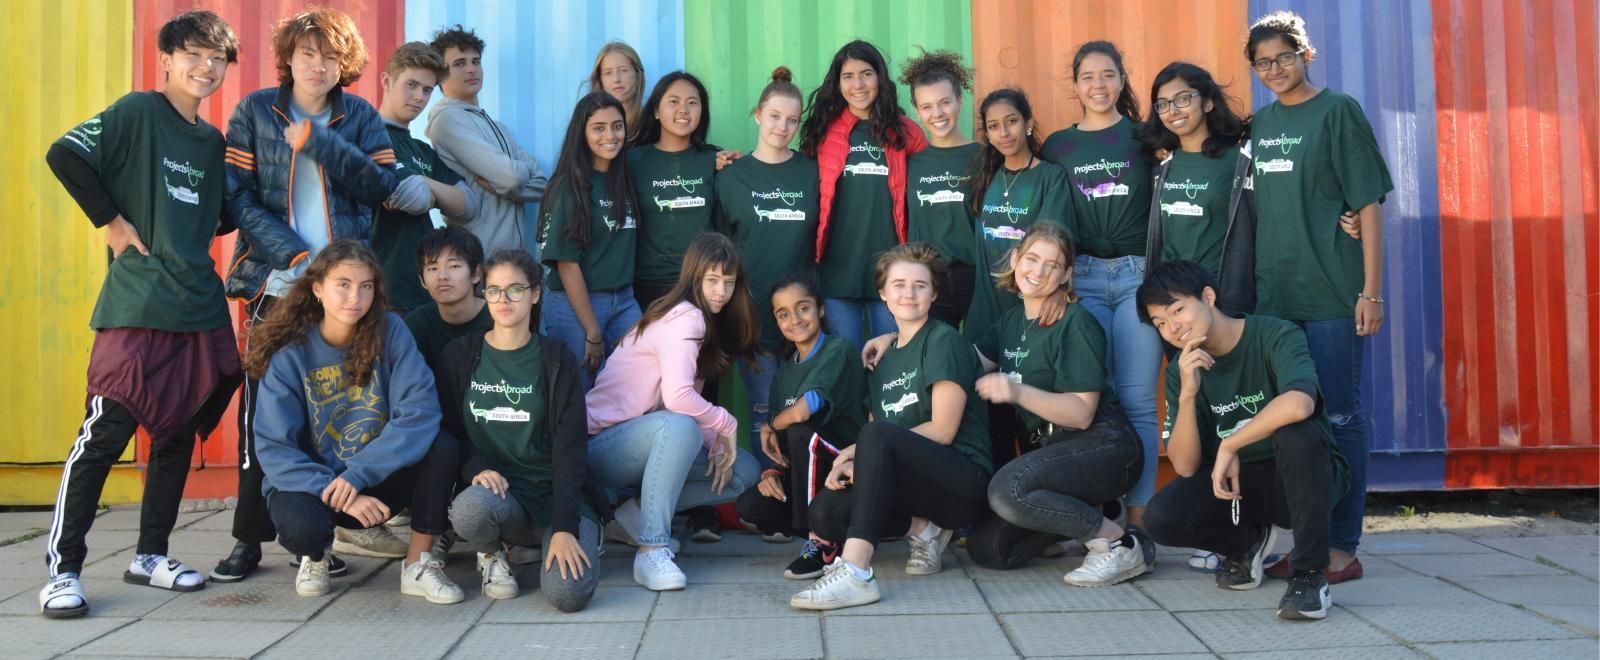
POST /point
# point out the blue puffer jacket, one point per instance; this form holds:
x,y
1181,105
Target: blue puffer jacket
x,y
358,168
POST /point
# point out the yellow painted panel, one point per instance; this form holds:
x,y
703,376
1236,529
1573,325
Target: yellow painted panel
x,y
23,485
71,58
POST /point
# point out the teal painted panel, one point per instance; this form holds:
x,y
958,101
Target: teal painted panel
x,y
733,45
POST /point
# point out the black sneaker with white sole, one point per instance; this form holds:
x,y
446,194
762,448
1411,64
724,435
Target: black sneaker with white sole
x,y
336,566
1306,598
1245,572
814,557
704,527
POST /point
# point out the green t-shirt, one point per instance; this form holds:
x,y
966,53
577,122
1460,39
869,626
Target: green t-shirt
x,y
901,388
834,372
396,235
770,212
1110,177
165,177
504,410
1194,207
1271,358
1069,356
677,195
861,225
1011,205
433,333
607,262
937,211
1313,161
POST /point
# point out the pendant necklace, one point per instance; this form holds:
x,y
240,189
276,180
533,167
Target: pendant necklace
x,y
1013,180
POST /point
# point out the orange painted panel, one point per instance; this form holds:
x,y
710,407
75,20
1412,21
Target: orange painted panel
x,y
1519,235
1030,43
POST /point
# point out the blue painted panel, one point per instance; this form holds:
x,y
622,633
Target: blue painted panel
x,y
1381,53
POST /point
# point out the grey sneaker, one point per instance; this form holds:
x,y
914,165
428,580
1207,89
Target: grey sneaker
x,y
927,557
375,541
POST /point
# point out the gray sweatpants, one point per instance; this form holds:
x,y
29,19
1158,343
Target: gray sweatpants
x,y
483,520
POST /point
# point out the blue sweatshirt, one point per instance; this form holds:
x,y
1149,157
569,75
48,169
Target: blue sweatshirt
x,y
312,425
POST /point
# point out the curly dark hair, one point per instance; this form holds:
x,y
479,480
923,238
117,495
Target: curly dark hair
x,y
300,312
335,33
458,37
826,102
1282,23
935,66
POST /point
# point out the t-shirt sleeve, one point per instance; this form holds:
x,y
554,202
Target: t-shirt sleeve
x,y
1174,386
949,357
1357,161
554,245
103,139
1081,359
1289,359
721,220
1055,201
825,376
988,342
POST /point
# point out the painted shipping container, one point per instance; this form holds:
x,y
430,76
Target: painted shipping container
x,y
1517,126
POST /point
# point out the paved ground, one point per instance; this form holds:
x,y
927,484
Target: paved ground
x,y
1437,595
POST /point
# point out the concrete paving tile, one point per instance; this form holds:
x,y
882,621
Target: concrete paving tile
x,y
1037,570
1531,547
1373,566
111,598
1402,591
319,640
1364,653
1535,589
247,601
390,608
1099,633
1465,566
1202,595
34,636
218,521
947,635
1444,622
12,586
893,567
1012,596
1582,618
794,637
127,520
916,595
727,570
1260,630
610,604
191,638
1566,648
26,559
739,544
518,641
17,522
1158,656
737,601
1420,543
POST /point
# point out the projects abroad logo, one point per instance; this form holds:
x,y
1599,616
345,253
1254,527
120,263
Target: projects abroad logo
x,y
948,179
872,151
1015,356
680,202
1190,189
867,169
1285,144
688,185
1005,207
499,414
1251,403
87,134
512,392
611,223
787,197
1005,232
1112,169
1183,208
906,401
905,378
180,192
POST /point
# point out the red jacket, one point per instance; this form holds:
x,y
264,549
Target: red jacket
x,y
831,155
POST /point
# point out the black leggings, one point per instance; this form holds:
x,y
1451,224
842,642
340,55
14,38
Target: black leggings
x,y
810,460
1058,491
899,474
305,524
1293,490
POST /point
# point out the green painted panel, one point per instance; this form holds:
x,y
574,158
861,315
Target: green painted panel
x,y
733,45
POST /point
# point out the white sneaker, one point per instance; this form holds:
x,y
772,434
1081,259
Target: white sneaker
x,y
624,528
927,557
375,541
312,578
498,582
402,519
1067,548
838,587
1106,565
656,571
426,578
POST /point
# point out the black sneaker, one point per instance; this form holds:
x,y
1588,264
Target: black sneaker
x,y
1307,597
704,527
814,557
1244,573
336,566
240,563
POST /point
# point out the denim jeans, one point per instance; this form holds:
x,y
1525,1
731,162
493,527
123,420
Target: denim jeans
x,y
1337,352
1107,288
757,389
661,454
616,311
483,520
844,318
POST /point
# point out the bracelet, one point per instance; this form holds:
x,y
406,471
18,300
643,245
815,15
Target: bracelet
x,y
1364,296
596,343
772,472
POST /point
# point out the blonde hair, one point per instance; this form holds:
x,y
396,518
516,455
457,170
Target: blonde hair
x,y
1005,275
631,107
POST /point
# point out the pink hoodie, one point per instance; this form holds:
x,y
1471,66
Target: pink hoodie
x,y
656,371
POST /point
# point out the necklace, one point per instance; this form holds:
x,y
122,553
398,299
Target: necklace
x,y
1026,326
1012,180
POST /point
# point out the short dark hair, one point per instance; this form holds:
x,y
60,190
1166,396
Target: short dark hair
x,y
455,239
1170,280
519,259
198,28
457,37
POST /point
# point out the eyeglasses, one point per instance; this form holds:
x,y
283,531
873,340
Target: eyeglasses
x,y
512,293
1284,60
1184,100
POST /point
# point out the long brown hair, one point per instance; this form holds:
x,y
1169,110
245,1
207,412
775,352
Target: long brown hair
x,y
300,312
731,333
631,107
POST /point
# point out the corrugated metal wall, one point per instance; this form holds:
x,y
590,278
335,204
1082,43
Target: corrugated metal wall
x,y
1517,124
1031,43
733,46
1379,52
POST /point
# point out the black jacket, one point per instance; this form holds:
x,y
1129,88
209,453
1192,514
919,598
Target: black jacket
x,y
1236,281
566,423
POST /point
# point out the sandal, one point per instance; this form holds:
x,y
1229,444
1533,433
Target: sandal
x,y
63,587
165,576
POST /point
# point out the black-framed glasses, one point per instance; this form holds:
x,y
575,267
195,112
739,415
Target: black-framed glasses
x,y
1284,60
513,293
1184,100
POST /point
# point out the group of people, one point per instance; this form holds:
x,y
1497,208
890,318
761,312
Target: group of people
x,y
938,336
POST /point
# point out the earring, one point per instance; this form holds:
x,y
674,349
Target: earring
x,y
1030,132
